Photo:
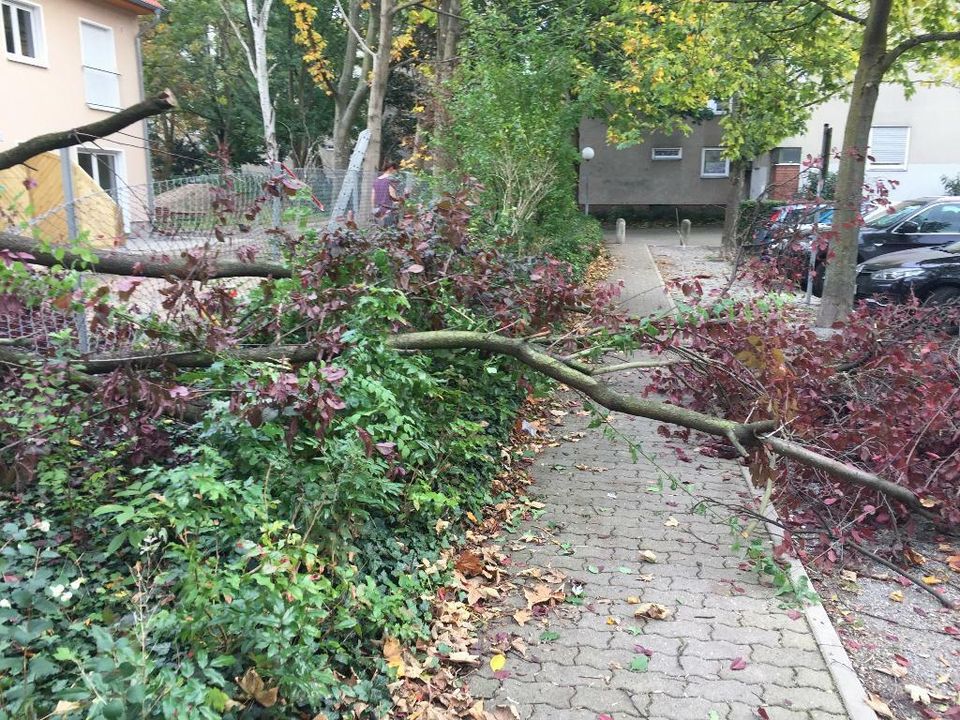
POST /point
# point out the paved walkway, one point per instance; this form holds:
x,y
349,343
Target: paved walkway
x,y
601,511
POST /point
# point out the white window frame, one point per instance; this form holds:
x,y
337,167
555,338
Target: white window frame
x,y
115,71
703,161
786,147
875,166
39,39
656,157
122,198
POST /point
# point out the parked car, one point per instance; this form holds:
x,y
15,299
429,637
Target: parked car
x,y
921,223
925,222
932,274
793,221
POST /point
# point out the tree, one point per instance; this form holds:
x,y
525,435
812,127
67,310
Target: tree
x,y
255,50
661,65
897,40
194,51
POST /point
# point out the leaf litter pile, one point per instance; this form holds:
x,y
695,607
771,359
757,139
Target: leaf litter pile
x,y
430,681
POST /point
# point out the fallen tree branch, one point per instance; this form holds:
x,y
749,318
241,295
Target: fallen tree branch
x,y
900,571
740,435
94,131
119,263
808,457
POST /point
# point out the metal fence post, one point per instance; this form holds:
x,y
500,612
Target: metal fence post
x,y
70,213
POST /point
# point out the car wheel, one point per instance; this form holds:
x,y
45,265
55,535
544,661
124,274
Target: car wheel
x,y
947,295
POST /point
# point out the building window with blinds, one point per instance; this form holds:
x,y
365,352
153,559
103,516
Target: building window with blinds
x,y
888,147
101,81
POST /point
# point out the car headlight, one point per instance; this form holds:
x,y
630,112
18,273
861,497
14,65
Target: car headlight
x,y
898,273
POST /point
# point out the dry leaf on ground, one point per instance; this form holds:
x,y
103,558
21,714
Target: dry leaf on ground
x,y
654,611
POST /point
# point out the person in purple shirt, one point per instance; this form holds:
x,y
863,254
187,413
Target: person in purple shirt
x,y
386,195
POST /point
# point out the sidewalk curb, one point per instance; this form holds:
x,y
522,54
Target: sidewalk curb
x,y
845,678
663,285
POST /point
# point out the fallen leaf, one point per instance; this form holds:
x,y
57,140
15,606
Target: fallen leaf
x,y
794,614
497,662
639,663
738,664
391,652
522,616
476,711
654,611
763,714
539,593
901,660
643,650
848,575
896,596
504,712
914,557
463,657
65,707
918,694
612,620
253,685
671,522
931,580
648,556
633,600
469,564
954,562
549,636
893,671
604,716
520,645
645,578
880,707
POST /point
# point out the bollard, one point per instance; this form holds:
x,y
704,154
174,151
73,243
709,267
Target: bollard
x,y
684,232
621,231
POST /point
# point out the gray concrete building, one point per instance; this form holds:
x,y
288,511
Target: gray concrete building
x,y
915,140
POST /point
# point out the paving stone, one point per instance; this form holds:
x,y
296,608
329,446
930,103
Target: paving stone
x,y
585,672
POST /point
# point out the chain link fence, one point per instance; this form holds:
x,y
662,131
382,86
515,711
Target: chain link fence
x,y
226,217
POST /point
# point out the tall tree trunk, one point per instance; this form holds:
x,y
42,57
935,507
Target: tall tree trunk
x,y
449,30
259,19
731,214
351,92
378,91
841,278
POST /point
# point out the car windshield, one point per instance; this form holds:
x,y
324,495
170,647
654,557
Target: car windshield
x,y
952,248
888,215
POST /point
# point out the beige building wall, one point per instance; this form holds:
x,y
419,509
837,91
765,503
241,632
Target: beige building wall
x,y
50,95
932,115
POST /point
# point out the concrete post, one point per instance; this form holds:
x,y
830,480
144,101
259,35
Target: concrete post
x,y
621,231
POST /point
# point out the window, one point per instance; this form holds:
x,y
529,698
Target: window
x,y
23,32
888,147
939,219
785,156
666,153
101,81
102,167
713,164
718,107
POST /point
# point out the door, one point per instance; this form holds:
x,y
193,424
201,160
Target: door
x,y
936,225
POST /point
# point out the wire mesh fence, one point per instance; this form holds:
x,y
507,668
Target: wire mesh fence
x,y
233,216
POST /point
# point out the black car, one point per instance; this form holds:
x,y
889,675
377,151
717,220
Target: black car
x,y
925,222
907,225
932,274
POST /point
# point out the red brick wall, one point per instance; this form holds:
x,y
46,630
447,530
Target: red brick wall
x,y
784,182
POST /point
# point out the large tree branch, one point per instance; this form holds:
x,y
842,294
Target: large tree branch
x,y
894,54
739,434
120,263
94,131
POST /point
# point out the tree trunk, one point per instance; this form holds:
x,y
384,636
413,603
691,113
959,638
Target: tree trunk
x,y
841,275
378,91
259,20
449,29
731,214
349,97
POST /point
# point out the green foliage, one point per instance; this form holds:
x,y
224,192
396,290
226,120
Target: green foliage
x,y
951,185
514,110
